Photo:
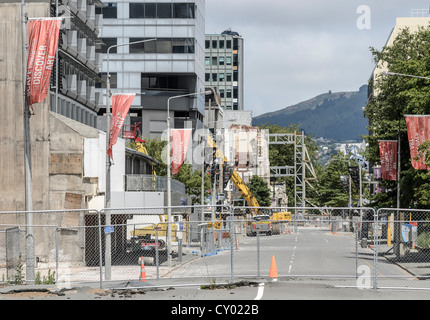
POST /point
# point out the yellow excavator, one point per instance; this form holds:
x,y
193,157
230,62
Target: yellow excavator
x,y
236,179
247,195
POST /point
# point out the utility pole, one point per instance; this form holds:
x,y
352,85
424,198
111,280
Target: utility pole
x,y
29,237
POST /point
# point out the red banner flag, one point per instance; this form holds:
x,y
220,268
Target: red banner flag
x,y
43,41
180,139
418,132
120,105
388,153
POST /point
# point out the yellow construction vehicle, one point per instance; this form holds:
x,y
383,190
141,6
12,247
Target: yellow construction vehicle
x,y
282,216
235,178
144,238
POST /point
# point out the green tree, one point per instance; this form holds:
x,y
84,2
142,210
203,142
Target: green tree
x,y
154,147
261,191
330,190
193,182
396,96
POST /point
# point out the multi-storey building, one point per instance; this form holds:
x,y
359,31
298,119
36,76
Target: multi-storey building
x,y
71,93
169,66
224,67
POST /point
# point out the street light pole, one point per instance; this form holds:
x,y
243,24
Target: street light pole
x,y
169,175
108,258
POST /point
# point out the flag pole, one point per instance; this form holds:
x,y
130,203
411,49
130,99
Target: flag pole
x,y
29,239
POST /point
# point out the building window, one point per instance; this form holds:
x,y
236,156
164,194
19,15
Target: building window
x,y
113,80
150,10
228,44
214,77
107,42
214,44
162,10
228,61
207,44
221,44
228,76
184,11
207,61
160,82
214,61
221,77
221,61
207,77
137,10
109,11
163,45
228,93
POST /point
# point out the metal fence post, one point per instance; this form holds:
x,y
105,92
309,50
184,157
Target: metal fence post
x,y
375,246
356,249
57,230
231,245
157,253
258,254
100,249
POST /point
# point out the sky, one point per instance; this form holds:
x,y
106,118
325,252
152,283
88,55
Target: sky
x,y
296,50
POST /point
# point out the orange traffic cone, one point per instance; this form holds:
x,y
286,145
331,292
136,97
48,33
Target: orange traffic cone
x,y
273,274
142,271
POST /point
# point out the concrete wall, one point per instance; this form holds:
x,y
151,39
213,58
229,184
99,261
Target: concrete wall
x,y
12,192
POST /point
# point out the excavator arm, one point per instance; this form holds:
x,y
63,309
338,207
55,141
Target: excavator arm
x,y
236,179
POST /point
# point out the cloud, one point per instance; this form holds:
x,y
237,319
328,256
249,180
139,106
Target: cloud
x,y
295,50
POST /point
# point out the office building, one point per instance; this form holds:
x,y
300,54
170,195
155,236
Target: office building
x,y
224,67
169,66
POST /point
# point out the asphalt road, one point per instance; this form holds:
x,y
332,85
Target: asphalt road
x,y
310,253
312,264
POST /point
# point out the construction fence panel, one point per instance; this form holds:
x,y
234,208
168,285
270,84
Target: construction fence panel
x,y
139,239
402,244
303,243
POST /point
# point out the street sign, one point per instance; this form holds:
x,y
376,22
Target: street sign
x,y
109,229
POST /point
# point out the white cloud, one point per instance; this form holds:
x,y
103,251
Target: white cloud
x,y
295,50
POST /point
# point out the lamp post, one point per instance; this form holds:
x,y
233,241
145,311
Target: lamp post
x,y
108,259
169,175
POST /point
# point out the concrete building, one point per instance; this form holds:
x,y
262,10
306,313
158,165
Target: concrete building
x,y
68,152
224,67
419,18
72,94
157,70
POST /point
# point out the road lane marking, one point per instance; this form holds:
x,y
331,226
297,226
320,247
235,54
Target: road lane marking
x,y
260,291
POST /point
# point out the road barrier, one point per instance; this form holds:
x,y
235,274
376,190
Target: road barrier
x,y
357,247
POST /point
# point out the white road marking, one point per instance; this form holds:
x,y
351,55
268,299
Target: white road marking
x,y
260,291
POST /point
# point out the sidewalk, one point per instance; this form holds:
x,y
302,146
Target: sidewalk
x,y
415,262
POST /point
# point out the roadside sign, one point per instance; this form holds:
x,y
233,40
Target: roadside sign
x,y
108,229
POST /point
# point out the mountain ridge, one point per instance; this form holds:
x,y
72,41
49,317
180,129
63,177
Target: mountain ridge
x,y
337,115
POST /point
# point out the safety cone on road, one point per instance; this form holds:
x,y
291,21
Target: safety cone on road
x,y
273,274
142,277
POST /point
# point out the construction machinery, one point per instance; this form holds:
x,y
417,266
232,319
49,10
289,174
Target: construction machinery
x,y
236,179
144,239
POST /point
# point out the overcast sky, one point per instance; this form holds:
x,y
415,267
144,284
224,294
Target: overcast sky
x,y
296,50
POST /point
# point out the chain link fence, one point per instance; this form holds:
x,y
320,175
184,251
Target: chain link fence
x,y
357,247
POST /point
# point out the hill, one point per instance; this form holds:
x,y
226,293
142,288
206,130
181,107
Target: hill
x,y
337,116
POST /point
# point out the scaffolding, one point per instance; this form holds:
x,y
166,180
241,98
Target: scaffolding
x,y
298,169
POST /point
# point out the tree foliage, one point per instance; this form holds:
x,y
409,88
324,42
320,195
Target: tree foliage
x,y
396,96
261,191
